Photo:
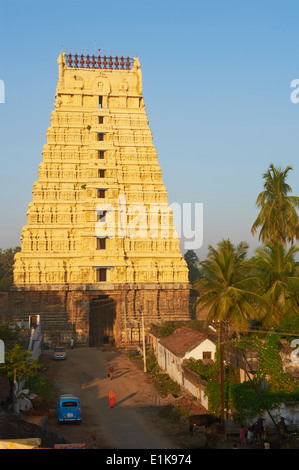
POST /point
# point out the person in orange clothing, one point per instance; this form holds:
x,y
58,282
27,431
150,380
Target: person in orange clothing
x,y
112,397
110,374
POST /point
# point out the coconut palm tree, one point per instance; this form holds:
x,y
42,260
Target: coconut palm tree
x,y
230,290
278,217
279,273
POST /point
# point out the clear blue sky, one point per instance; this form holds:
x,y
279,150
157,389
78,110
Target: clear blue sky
x,y
216,84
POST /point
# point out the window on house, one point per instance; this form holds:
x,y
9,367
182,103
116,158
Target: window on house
x,y
101,275
101,154
207,355
101,243
100,101
101,173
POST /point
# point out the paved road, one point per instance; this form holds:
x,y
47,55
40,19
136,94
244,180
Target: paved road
x,y
126,426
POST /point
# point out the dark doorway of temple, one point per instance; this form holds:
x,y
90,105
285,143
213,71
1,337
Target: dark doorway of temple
x,y
102,315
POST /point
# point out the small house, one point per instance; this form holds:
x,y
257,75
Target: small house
x,y
183,344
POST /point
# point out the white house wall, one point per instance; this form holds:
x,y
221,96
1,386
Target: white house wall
x,y
172,364
205,346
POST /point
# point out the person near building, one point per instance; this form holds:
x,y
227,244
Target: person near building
x,y
242,437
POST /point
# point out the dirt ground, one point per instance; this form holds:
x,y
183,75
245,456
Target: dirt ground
x,y
141,418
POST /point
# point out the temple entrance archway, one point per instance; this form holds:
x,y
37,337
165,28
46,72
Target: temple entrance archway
x,y
102,316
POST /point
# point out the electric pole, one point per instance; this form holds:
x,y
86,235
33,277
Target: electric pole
x,y
143,341
222,375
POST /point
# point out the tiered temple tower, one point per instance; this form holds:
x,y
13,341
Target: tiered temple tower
x,y
99,251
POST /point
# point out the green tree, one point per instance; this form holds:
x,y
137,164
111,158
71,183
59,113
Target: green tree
x,y
250,397
193,265
245,402
212,374
270,365
19,364
278,217
230,291
6,265
8,331
279,274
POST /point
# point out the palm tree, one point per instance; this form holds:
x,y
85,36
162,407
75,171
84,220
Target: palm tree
x,y
230,291
277,218
279,273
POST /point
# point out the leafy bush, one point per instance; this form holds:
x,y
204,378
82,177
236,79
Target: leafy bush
x,y
20,365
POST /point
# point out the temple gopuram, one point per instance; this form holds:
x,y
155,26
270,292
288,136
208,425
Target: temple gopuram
x,y
99,254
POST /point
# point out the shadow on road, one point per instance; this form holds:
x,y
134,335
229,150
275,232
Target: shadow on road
x,y
125,399
120,374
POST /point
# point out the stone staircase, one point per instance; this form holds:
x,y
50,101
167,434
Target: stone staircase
x,y
55,326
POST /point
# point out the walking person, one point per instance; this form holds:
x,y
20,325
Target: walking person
x,y
72,343
110,374
282,428
249,437
112,397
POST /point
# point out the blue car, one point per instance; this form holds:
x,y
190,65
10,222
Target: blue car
x,y
68,409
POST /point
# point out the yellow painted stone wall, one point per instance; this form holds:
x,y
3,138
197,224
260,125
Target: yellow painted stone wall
x,y
99,151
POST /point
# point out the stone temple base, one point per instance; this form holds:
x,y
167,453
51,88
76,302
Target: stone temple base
x,y
96,314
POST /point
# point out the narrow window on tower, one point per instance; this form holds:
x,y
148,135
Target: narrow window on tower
x,y
101,173
101,275
101,154
102,216
101,243
101,119
101,193
100,137
100,101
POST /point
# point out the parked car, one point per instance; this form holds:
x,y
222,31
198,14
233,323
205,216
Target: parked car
x,y
59,353
68,409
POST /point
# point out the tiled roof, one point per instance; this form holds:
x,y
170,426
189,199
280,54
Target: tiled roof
x,y
182,340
